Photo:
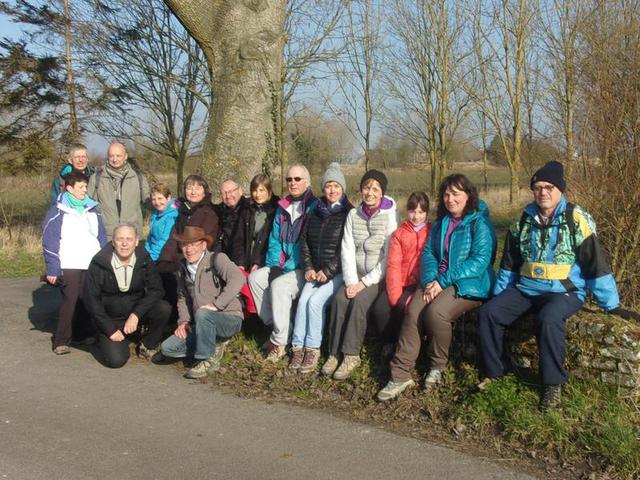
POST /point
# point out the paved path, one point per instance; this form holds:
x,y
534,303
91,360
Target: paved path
x,y
69,417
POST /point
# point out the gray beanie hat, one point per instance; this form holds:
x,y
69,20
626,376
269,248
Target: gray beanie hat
x,y
334,174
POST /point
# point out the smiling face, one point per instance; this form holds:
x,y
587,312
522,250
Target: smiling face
x,y
192,251
77,190
194,192
124,242
231,193
547,196
297,182
261,195
417,216
455,200
117,155
159,201
371,192
79,159
333,191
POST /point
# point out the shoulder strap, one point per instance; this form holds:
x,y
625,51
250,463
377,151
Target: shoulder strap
x,y
568,214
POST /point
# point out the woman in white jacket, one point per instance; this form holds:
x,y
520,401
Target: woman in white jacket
x,y
72,233
365,243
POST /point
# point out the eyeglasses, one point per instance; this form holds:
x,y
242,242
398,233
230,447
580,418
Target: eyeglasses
x,y
543,188
291,179
229,192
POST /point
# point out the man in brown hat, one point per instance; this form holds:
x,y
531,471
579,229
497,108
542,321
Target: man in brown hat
x,y
209,311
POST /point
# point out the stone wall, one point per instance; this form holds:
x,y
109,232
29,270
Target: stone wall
x,y
599,346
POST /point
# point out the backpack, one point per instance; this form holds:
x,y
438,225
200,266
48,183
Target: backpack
x,y
568,214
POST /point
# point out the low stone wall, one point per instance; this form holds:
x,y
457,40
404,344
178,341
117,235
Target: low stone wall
x,y
599,346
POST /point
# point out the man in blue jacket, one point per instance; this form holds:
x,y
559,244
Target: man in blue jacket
x,y
551,260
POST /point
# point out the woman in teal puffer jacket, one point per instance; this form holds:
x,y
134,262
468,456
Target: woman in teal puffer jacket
x,y
456,276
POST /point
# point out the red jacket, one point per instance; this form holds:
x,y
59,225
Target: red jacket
x,y
403,265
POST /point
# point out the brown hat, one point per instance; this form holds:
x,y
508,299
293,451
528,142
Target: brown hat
x,y
193,234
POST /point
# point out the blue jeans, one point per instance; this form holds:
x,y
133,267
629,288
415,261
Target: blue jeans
x,y
201,339
312,312
551,310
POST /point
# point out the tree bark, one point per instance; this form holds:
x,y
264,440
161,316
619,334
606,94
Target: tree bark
x,y
243,43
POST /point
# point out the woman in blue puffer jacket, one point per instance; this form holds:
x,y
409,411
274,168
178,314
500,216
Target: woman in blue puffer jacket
x,y
456,276
165,213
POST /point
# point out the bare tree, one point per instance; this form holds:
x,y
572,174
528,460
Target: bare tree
x,y
355,99
243,44
501,37
425,73
154,72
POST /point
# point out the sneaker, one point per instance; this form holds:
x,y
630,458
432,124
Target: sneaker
x,y
274,352
393,389
203,368
297,356
482,386
310,362
62,350
348,365
551,396
146,353
432,379
330,366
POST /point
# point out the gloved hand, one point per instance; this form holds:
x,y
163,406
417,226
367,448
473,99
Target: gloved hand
x,y
274,272
626,314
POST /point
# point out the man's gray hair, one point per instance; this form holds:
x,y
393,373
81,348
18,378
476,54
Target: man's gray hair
x,y
125,225
75,147
305,171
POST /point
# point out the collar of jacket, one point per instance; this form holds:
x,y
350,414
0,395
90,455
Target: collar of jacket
x,y
307,197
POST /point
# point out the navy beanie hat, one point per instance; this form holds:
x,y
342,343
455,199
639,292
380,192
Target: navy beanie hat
x,y
552,172
376,175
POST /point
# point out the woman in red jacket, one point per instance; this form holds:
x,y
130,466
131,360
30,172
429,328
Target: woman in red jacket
x,y
403,270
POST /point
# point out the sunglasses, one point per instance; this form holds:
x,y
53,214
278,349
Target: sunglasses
x,y
546,188
292,179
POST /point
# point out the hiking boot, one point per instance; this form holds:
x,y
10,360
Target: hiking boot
x,y
551,396
62,350
432,379
203,368
393,389
297,356
348,365
274,352
330,366
146,353
310,362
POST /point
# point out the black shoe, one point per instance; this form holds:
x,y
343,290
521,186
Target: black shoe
x,y
551,396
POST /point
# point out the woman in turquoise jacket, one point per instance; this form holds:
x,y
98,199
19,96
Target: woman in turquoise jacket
x,y
456,276
165,213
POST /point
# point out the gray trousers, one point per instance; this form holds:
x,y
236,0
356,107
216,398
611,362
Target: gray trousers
x,y
273,302
348,320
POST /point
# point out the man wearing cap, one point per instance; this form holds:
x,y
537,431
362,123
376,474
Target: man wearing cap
x,y
551,260
123,291
275,286
209,311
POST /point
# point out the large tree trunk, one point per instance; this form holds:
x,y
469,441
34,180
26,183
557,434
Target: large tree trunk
x,y
243,42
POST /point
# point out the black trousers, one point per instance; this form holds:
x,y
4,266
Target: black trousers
x,y
73,319
116,354
387,318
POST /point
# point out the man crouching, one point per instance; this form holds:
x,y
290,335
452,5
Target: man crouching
x,y
208,304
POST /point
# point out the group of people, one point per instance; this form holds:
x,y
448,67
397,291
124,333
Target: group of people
x,y
320,272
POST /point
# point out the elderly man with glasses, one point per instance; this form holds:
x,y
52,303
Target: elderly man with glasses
x,y
551,260
277,285
231,212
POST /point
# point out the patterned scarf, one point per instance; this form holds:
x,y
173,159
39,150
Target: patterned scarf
x,y
117,178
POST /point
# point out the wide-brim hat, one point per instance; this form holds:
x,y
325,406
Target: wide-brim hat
x,y
193,234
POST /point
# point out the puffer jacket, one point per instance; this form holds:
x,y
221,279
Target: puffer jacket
x,y
102,295
231,236
365,243
130,208
256,243
201,214
160,230
322,237
403,261
217,281
472,250
284,241
542,259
